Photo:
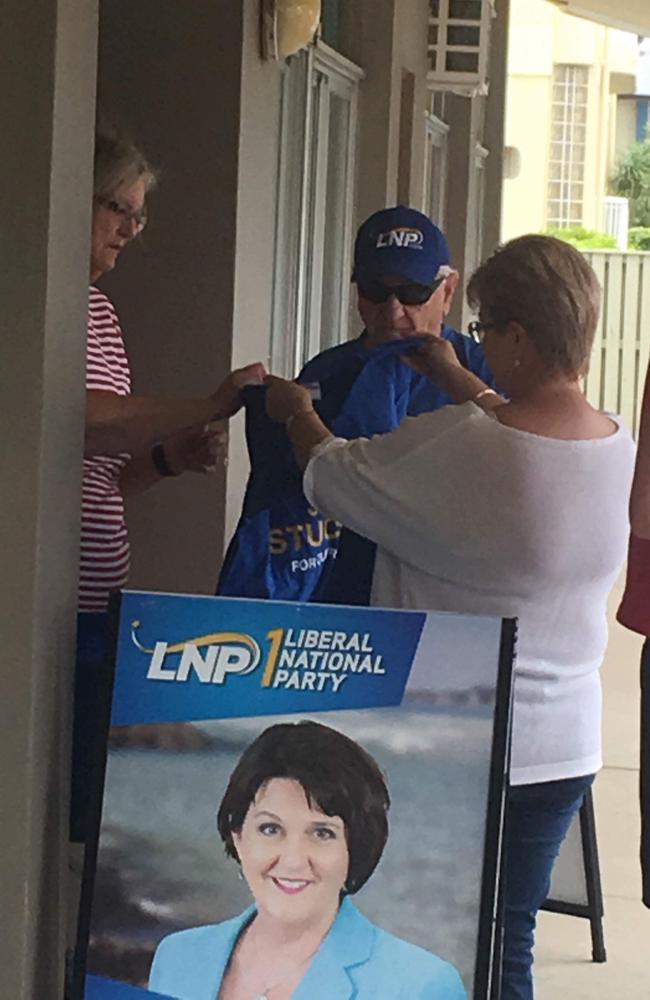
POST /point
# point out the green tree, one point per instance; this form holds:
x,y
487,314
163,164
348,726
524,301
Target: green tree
x,y
632,180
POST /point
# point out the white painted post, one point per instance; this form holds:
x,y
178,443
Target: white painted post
x,y
47,103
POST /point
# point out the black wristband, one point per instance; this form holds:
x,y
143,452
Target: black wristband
x,y
160,461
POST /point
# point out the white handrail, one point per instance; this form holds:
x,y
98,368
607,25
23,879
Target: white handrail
x,y
621,348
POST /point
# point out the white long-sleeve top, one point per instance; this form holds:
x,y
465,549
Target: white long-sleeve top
x,y
473,516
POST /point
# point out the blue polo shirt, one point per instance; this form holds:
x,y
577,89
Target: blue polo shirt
x,y
284,550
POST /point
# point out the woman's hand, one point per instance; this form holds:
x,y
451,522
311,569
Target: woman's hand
x,y
227,399
437,360
286,399
433,359
197,449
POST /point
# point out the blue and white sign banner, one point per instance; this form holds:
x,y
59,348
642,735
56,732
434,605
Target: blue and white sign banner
x,y
194,658
355,756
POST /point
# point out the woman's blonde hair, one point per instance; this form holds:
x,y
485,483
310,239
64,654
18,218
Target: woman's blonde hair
x,y
118,163
547,287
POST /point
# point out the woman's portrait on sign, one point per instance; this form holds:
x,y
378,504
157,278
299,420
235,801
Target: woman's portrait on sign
x,y
305,816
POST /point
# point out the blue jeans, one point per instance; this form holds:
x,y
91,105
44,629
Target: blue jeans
x,y
89,701
537,821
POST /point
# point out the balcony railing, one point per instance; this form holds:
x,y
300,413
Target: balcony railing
x,y
622,345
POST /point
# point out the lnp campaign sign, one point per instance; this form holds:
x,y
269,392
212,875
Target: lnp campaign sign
x,y
182,659
277,771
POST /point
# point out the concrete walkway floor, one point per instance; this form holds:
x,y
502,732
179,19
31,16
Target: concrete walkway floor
x,y
563,966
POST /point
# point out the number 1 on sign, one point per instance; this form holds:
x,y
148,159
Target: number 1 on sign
x,y
276,635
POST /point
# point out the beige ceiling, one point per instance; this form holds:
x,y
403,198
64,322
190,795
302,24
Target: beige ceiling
x,y
628,15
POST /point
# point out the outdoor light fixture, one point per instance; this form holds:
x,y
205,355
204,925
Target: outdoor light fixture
x,y
288,26
511,163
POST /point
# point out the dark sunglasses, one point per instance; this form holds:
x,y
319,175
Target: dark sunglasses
x,y
409,295
477,330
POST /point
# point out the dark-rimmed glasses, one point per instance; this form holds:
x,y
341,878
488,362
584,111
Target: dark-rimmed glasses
x,y
409,295
138,218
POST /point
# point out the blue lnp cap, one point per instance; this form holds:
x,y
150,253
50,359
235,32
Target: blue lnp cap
x,y
400,241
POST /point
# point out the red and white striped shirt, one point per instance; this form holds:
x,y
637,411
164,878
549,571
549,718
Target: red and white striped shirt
x,y
104,540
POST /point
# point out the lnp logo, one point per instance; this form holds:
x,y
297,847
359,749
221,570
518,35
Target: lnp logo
x,y
402,236
305,659
225,653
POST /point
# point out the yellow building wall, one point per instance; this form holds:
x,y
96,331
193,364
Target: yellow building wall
x,y
541,36
524,198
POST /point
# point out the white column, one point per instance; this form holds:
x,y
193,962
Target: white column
x,y
494,133
47,90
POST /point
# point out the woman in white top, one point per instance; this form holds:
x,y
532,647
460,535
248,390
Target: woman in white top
x,y
512,508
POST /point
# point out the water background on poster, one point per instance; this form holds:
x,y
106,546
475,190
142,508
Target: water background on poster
x,y
161,854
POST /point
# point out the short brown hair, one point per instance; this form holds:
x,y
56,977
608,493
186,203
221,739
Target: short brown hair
x,y
336,774
548,287
118,163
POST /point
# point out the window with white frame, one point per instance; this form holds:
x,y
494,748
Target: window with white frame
x,y
314,206
566,167
435,169
458,44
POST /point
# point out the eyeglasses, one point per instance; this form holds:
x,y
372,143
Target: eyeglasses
x,y
139,218
409,295
477,330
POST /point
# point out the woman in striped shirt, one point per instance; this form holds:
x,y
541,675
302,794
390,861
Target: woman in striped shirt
x,y
131,442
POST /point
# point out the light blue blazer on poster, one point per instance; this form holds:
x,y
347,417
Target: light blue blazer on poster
x,y
356,961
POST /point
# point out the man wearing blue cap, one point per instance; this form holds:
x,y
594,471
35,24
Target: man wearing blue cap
x,y
405,287
283,548
402,273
